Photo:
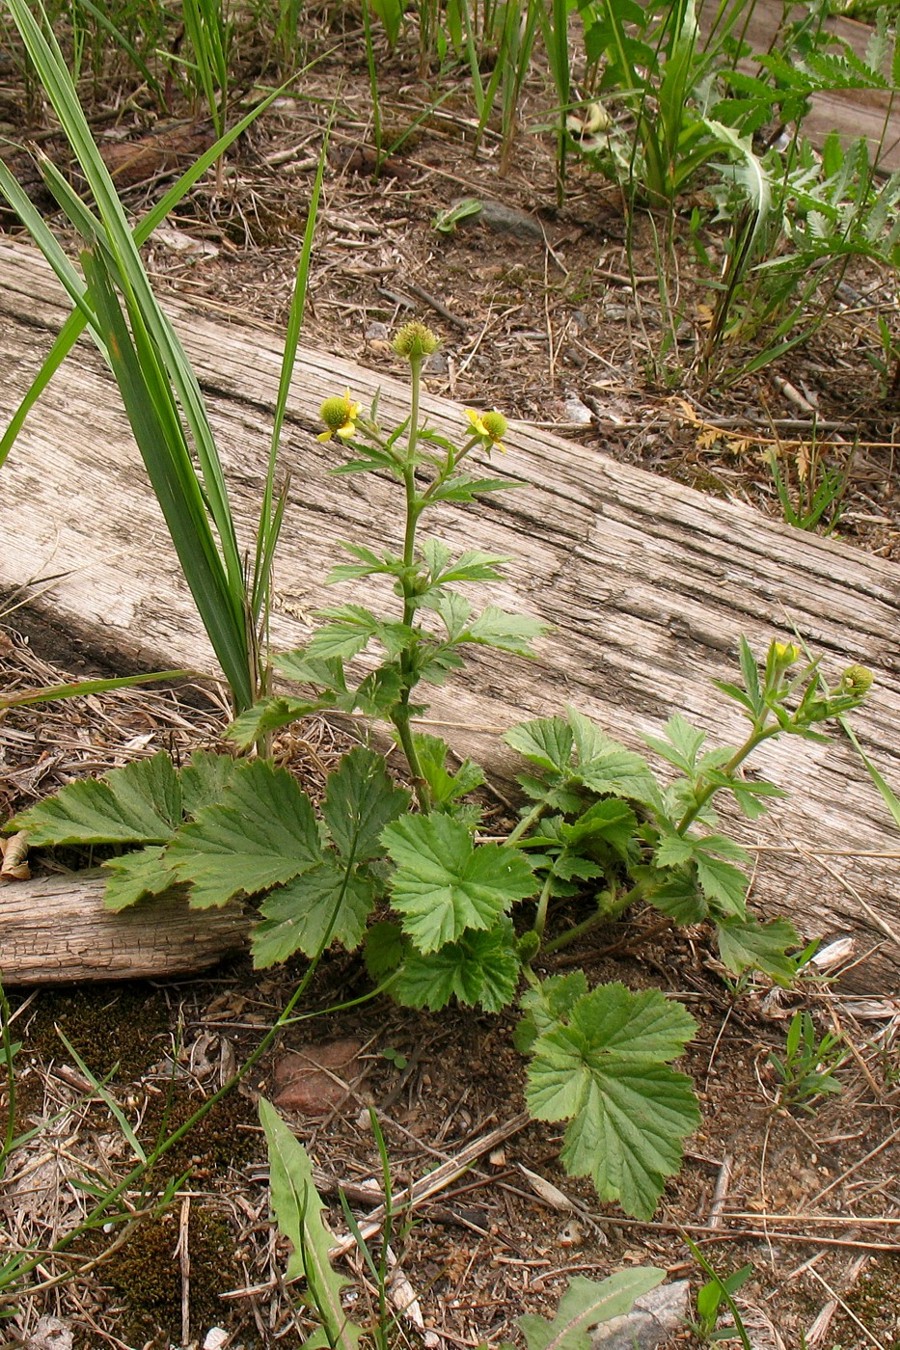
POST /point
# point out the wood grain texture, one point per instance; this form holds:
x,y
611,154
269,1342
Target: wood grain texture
x,y
647,584
55,929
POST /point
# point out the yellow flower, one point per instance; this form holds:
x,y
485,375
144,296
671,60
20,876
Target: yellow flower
x,y
339,415
489,427
786,654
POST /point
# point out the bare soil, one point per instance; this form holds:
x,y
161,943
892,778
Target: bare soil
x,y
557,317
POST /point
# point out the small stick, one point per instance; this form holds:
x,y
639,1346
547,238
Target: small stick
x,y
434,1182
182,1251
723,1181
437,306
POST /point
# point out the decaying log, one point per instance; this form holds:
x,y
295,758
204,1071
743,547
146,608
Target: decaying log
x,y
55,929
647,585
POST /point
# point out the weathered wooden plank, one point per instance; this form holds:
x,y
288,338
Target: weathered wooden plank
x,y
648,584
55,929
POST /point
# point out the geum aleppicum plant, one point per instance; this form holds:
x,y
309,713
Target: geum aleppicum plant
x,y
462,915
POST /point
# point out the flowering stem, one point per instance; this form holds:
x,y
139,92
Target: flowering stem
x,y
400,715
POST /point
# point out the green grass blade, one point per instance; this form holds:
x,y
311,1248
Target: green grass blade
x,y
129,49
51,693
157,428
106,1096
34,223
270,522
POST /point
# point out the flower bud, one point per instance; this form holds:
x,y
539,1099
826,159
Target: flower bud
x,y
786,653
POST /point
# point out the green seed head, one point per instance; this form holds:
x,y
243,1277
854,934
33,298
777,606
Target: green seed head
x,y
414,342
495,424
336,412
857,681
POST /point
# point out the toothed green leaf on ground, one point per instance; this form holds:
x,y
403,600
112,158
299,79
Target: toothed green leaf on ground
x,y
298,1213
585,1304
261,834
330,903
443,884
138,804
545,741
135,875
605,1070
745,944
480,970
360,801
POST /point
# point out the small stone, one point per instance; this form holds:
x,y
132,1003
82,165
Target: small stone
x,y
503,219
654,1318
320,1078
51,1333
215,1338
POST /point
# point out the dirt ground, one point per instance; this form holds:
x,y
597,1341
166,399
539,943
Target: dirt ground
x,y
538,317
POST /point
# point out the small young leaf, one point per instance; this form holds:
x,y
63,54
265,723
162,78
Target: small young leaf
x,y
270,715
507,632
443,885
138,804
584,1305
745,944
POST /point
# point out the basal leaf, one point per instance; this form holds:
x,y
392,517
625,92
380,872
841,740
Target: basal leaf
x,y
261,834
745,944
138,804
136,875
604,1068
481,969
298,1212
330,903
204,779
585,1304
361,800
628,1133
444,885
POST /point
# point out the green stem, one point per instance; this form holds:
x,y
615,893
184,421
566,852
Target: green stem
x,y
614,910
540,918
759,734
400,716
525,824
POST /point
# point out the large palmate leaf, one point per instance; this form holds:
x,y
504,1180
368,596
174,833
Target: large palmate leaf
x,y
604,1068
261,833
136,875
584,1305
138,804
298,1212
444,885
